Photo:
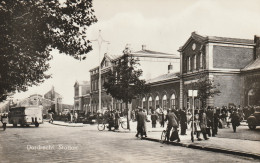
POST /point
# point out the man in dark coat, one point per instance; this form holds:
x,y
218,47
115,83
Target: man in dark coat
x,y
172,124
183,121
141,123
154,118
210,121
235,120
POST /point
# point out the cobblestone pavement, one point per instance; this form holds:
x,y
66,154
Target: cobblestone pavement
x,y
79,144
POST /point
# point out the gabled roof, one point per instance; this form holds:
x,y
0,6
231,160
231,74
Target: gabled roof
x,y
163,77
253,65
112,57
215,39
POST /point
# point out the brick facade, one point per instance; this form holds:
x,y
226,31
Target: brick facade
x,y
231,57
223,60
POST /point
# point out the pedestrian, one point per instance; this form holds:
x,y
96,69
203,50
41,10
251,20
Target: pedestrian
x,y
203,124
117,118
210,121
172,125
235,120
111,120
141,123
183,122
4,120
216,120
154,118
51,117
162,116
196,123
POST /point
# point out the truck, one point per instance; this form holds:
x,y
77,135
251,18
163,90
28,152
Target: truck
x,y
26,116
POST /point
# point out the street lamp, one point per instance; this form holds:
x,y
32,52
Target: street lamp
x,y
99,40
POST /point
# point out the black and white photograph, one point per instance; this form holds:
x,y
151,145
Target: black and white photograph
x,y
129,81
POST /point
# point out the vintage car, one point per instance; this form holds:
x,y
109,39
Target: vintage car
x,y
254,120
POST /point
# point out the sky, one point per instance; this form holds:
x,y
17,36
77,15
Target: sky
x,y
161,25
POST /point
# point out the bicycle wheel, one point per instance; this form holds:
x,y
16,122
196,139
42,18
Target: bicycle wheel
x,y
101,126
163,136
124,125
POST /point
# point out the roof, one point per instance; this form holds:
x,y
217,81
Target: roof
x,y
216,39
163,77
253,65
154,54
112,56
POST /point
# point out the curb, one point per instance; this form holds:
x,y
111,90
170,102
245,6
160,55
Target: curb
x,y
208,148
67,125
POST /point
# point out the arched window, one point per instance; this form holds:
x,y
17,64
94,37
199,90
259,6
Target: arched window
x,y
188,64
195,62
150,102
143,102
164,101
156,101
173,101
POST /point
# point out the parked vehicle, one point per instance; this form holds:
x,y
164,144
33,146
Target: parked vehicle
x,y
254,120
30,115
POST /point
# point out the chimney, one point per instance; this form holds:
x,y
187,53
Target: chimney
x,y
170,68
257,46
143,47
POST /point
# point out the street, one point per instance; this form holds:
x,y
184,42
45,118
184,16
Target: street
x,y
50,143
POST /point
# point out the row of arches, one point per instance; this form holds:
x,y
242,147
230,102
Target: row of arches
x,y
153,100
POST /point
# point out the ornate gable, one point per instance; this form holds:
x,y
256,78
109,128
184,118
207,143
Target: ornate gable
x,y
106,62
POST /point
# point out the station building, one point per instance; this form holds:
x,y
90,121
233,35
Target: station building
x,y
232,63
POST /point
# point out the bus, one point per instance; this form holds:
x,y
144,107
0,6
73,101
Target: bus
x,y
25,116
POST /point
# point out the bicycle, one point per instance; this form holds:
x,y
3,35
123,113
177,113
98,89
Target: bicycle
x,y
102,124
122,123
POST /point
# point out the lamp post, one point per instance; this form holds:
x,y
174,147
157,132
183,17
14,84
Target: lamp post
x,y
99,40
193,93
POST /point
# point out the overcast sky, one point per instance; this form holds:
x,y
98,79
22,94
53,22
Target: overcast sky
x,y
162,25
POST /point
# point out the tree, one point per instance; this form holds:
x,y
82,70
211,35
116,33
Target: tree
x,y
30,29
123,81
206,89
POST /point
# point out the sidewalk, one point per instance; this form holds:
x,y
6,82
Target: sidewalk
x,y
223,145
247,148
